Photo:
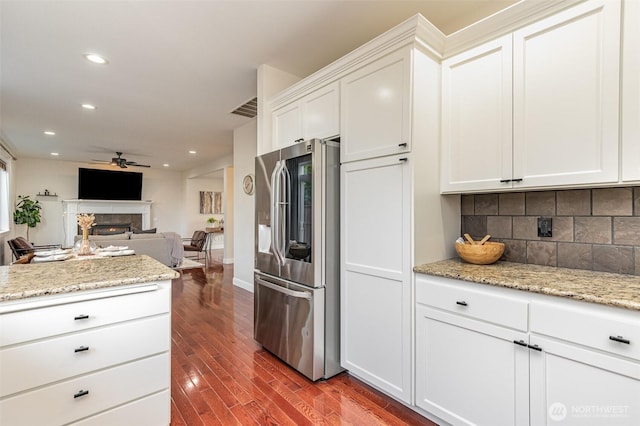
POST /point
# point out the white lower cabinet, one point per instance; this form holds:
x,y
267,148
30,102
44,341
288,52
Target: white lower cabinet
x,y
572,363
470,372
97,357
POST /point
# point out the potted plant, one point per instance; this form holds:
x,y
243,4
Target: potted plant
x,y
212,221
27,212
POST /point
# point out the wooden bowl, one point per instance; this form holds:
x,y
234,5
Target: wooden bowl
x,y
484,254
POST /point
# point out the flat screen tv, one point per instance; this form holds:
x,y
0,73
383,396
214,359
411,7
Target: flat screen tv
x,y
96,184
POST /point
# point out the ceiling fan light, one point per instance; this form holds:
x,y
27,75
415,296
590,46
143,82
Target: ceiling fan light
x,y
95,58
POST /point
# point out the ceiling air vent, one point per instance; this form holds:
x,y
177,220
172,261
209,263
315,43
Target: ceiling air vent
x,y
248,109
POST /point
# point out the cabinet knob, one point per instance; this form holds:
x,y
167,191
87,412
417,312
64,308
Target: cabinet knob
x,y
81,393
461,303
81,317
81,349
620,339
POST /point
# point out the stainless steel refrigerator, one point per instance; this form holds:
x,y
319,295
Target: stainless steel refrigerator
x,y
297,255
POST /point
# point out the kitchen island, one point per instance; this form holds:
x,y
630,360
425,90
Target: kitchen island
x,y
86,342
555,344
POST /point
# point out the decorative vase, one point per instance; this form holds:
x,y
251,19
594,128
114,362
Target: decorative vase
x,y
85,244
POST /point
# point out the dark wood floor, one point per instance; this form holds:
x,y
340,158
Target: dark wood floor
x,y
221,376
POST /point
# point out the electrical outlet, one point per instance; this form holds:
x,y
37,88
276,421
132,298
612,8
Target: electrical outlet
x,y
544,227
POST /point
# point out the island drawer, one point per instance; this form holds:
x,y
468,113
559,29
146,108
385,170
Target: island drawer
x,y
83,396
151,410
479,303
615,331
29,324
46,361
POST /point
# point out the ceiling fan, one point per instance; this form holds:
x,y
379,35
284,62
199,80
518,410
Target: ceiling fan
x,y
121,162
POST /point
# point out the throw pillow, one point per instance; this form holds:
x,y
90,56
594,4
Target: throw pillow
x,y
144,231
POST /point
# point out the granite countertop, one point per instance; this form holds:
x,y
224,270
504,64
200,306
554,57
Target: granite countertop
x,y
596,287
42,279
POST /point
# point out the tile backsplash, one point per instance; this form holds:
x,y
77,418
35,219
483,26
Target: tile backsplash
x,y
596,229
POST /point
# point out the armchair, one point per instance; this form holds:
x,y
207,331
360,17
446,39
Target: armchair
x,y
19,247
196,243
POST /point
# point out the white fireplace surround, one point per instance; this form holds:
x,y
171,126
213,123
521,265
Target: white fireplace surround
x,y
71,208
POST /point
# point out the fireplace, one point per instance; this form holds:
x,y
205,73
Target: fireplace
x,y
117,223
111,228
132,214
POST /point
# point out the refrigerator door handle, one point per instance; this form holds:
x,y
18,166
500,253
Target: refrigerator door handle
x,y
285,196
275,211
297,294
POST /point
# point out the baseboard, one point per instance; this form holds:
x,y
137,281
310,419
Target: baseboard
x,y
243,284
227,260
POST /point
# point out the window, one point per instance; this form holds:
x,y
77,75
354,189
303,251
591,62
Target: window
x,y
4,197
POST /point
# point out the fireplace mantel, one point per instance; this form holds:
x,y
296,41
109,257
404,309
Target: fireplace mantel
x,y
71,208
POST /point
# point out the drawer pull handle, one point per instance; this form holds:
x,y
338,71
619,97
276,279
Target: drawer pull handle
x,y
521,343
535,347
505,180
516,180
404,159
81,393
81,317
619,339
461,303
298,140
81,349
402,145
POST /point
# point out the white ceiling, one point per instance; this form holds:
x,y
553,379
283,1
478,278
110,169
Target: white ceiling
x,y
176,68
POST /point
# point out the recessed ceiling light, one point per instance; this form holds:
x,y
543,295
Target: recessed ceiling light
x,y
192,152
165,165
88,106
55,154
95,58
49,132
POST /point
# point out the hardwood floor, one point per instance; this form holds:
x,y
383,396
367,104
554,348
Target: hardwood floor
x,y
221,376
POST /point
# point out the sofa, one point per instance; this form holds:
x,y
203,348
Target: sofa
x,y
165,247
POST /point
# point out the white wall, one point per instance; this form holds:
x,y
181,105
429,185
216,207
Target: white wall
x,y
192,187
244,152
33,175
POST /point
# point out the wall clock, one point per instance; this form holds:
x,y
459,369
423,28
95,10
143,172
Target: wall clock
x,y
247,184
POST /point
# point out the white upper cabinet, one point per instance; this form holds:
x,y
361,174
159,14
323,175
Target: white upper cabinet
x,y
476,117
565,97
631,92
375,108
551,89
316,115
287,125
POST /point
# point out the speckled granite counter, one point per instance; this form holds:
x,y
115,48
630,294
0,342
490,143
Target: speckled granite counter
x,y
597,287
33,280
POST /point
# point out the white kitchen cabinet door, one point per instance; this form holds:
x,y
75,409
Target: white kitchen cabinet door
x,y
566,93
477,118
287,125
631,92
375,109
572,385
321,113
470,372
376,305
